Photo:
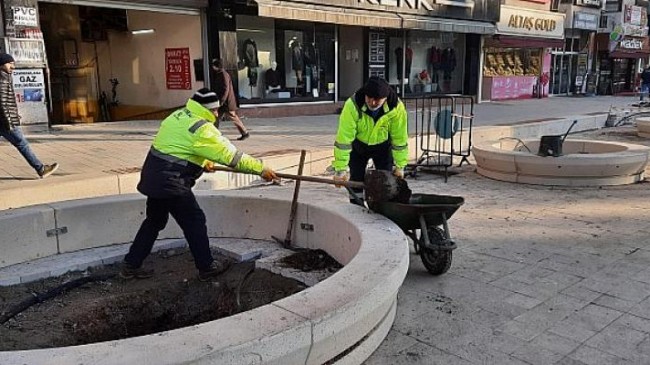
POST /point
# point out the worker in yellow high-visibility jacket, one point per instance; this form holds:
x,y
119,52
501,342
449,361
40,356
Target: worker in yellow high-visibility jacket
x,y
372,125
187,144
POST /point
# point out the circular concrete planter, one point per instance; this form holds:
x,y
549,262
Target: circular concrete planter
x,y
584,163
643,127
344,317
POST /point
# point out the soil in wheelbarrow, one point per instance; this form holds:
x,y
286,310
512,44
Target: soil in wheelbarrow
x,y
381,186
117,308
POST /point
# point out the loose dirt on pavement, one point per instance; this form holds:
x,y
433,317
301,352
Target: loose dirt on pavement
x,y
117,308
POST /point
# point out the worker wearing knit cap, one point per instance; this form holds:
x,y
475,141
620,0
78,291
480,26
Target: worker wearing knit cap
x,y
10,120
372,125
187,144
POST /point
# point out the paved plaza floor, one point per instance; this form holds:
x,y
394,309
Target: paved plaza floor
x,y
542,275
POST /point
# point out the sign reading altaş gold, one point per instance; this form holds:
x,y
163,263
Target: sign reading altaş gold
x,y
527,22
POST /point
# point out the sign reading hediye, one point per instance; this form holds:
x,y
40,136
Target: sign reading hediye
x,y
527,22
25,16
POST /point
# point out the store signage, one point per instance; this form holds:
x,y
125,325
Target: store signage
x,y
29,85
27,51
582,20
526,22
177,69
631,43
419,4
592,3
635,15
512,87
25,16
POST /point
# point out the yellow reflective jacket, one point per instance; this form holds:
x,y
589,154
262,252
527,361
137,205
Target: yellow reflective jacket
x,y
186,140
356,124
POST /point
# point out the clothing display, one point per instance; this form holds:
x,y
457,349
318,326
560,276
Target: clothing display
x,y
297,57
448,62
409,61
252,76
250,53
272,78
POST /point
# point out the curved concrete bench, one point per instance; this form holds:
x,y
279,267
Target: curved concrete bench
x,y
344,317
584,163
643,127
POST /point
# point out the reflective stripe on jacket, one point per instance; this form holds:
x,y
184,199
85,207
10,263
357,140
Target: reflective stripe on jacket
x,y
355,123
186,140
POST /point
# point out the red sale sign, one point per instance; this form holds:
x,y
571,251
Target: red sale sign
x,y
177,69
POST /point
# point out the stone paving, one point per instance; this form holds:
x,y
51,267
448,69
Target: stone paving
x,y
542,275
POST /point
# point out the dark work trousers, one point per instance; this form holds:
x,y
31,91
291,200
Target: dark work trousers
x,y
381,157
189,216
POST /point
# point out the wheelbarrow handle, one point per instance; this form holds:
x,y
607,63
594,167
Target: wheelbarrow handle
x,y
348,184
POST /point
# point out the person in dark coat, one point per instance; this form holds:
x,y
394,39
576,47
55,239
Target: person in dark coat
x,y
10,120
227,97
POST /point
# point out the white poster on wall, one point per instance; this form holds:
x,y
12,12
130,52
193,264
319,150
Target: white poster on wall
x,y
25,16
29,85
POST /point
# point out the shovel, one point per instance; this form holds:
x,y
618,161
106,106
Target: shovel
x,y
379,185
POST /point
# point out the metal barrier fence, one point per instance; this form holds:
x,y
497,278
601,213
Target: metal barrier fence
x,y
443,132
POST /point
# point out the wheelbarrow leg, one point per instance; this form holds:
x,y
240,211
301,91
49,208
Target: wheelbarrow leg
x,y
424,232
446,227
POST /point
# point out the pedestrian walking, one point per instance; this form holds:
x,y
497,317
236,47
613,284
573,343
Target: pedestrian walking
x,y
186,145
10,120
227,97
645,82
372,125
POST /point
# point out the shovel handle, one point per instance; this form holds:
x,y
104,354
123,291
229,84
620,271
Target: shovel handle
x,y
349,184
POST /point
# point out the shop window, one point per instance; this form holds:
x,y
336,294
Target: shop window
x,y
434,62
282,61
512,62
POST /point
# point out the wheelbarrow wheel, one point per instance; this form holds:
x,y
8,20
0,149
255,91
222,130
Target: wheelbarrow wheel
x,y
436,261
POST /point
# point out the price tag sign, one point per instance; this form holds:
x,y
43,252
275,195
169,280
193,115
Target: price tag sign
x,y
177,69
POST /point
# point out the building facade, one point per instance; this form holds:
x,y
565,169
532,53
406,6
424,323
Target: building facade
x,y
323,51
86,61
517,61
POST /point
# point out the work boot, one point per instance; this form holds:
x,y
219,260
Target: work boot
x,y
216,268
129,271
48,170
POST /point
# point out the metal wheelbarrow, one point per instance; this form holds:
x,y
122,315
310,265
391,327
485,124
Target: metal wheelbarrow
x,y
424,220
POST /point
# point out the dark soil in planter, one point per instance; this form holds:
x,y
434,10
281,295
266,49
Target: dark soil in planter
x,y
117,308
311,260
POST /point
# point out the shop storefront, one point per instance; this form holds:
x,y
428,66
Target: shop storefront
x,y
623,51
103,60
323,51
619,69
516,63
572,66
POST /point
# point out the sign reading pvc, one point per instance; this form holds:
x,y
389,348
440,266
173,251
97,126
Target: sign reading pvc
x,y
527,22
25,16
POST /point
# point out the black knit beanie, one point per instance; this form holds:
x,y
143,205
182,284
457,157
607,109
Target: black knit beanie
x,y
377,88
5,58
206,98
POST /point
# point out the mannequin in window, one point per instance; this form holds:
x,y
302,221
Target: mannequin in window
x,y
272,78
409,61
297,60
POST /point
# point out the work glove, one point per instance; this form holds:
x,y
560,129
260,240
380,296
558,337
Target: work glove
x,y
269,175
209,166
398,172
341,176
